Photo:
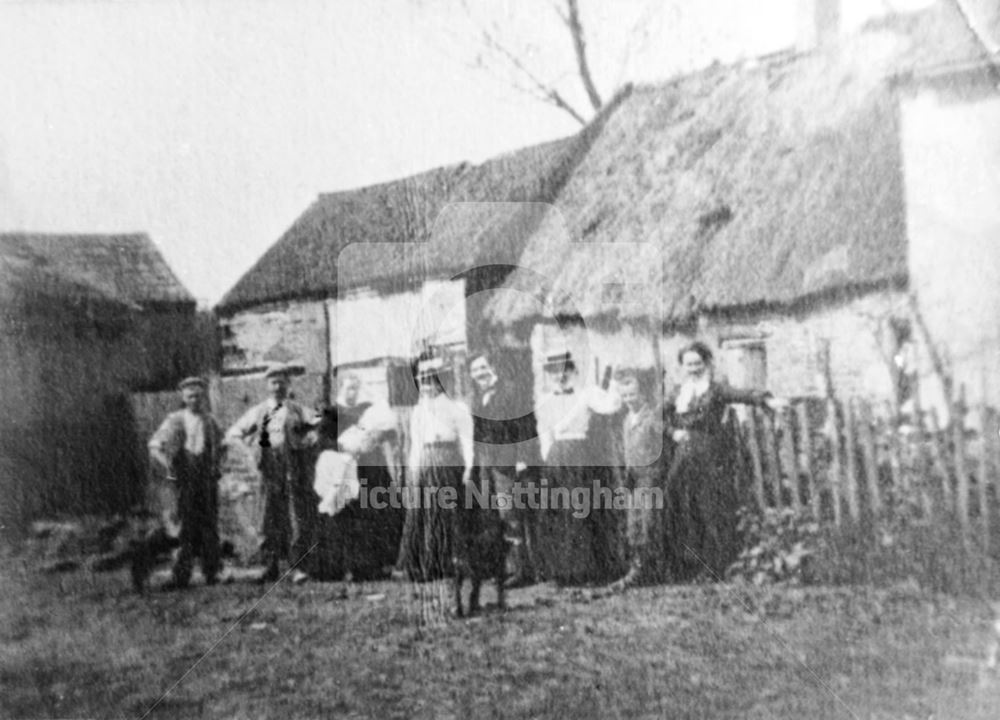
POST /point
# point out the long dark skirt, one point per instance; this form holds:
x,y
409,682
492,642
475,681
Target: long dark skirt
x,y
575,545
480,539
428,546
361,539
701,508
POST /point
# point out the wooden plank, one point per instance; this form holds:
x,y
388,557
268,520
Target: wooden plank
x,y
900,480
758,466
789,465
994,445
867,439
740,474
773,466
850,450
984,475
961,471
806,448
834,476
938,459
920,469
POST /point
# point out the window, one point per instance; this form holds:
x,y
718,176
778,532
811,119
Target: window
x,y
745,363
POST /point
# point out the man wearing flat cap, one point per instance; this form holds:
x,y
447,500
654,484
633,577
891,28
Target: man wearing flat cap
x,y
189,446
278,428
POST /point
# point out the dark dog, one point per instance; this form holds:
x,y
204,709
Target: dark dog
x,y
480,554
142,543
142,556
147,544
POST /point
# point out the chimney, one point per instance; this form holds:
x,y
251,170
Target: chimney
x,y
818,23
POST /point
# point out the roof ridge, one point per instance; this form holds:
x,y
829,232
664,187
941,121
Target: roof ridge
x,y
456,168
13,234
129,267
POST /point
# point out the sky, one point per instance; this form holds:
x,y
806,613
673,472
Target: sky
x,y
212,125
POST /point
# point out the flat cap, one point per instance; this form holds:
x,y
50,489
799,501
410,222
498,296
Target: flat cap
x,y
192,381
278,370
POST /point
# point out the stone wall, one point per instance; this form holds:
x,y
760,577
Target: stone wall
x,y
289,332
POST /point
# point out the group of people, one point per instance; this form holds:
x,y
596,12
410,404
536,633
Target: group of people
x,y
674,451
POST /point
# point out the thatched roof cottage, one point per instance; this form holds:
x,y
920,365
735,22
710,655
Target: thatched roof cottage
x,y
776,208
365,278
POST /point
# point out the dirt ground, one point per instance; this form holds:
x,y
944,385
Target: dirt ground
x,y
80,645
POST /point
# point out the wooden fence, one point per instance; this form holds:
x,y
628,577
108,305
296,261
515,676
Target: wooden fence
x,y
847,461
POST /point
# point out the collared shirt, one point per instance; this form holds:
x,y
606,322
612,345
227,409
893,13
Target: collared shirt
x,y
281,423
195,433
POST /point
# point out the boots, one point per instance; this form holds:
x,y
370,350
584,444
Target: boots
x,y
271,574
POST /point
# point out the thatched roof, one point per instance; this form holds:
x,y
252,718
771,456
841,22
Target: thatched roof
x,y
396,231
303,262
127,270
25,285
758,184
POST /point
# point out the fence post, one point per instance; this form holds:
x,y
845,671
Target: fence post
x,y
754,445
852,460
961,471
788,461
922,473
773,466
900,481
984,474
805,443
994,449
870,459
938,455
835,455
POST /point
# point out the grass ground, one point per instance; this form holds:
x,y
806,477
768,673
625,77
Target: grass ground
x,y
80,645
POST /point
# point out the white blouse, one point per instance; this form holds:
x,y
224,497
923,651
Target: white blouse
x,y
564,416
440,419
691,390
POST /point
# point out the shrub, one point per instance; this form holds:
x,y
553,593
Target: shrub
x,y
779,545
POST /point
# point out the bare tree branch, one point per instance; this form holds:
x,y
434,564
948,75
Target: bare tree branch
x,y
580,48
518,61
543,91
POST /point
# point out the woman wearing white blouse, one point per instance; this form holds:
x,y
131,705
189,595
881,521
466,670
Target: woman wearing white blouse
x,y
441,454
574,549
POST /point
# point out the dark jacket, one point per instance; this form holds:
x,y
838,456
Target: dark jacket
x,y
504,429
705,414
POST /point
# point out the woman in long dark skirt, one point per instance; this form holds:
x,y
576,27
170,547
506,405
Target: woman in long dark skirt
x,y
360,539
573,548
439,467
702,497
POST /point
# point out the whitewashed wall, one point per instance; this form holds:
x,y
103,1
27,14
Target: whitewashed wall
x,y
292,331
951,152
366,326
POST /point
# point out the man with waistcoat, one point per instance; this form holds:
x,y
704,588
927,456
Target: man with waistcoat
x,y
276,430
189,446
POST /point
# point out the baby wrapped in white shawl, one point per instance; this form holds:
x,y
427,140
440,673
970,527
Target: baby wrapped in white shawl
x,y
336,480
